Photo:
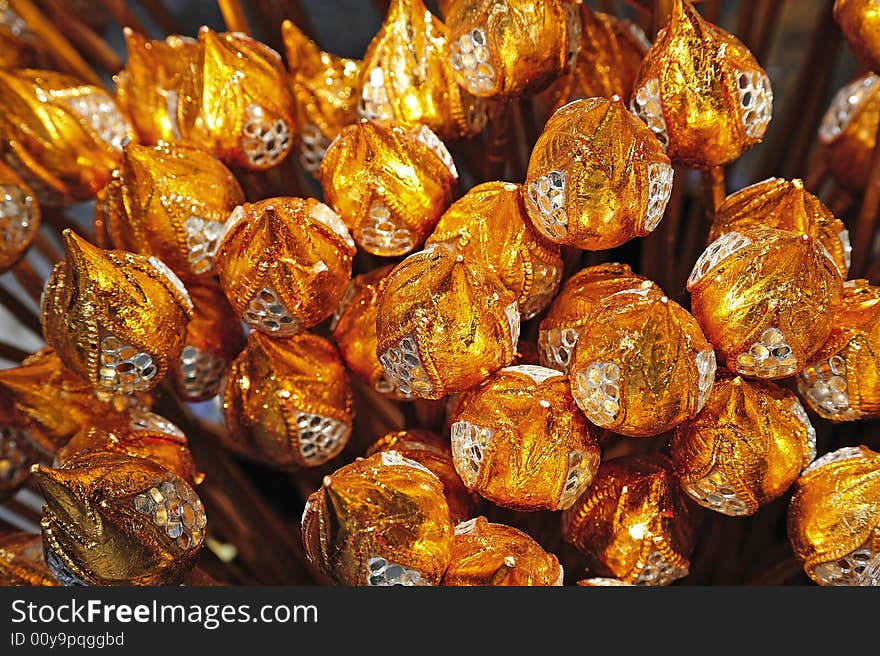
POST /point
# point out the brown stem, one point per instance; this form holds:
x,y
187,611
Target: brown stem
x,y
866,223
234,16
672,217
12,353
83,37
20,310
496,156
30,280
712,185
161,16
46,248
56,218
795,131
767,27
123,15
65,55
746,23
816,175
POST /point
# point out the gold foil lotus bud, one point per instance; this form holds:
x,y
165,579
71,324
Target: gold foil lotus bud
x,y
785,205
390,183
164,447
495,554
287,401
506,48
19,217
325,93
765,299
842,381
520,441
597,177
354,330
608,61
213,338
406,75
284,263
113,519
848,131
860,22
63,137
21,560
237,103
569,314
148,89
747,446
701,92
52,397
642,365
633,523
432,451
443,324
834,517
175,200
489,225
117,320
379,521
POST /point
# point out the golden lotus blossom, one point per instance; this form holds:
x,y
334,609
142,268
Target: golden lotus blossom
x,y
434,452
848,131
842,380
785,205
502,49
860,22
701,92
489,225
172,201
21,560
406,75
59,402
443,324
113,519
389,182
325,92
19,217
214,338
520,441
633,522
494,554
570,313
597,176
834,517
149,88
63,137
167,447
381,520
284,263
116,319
642,365
287,401
765,299
608,61
237,103
747,446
